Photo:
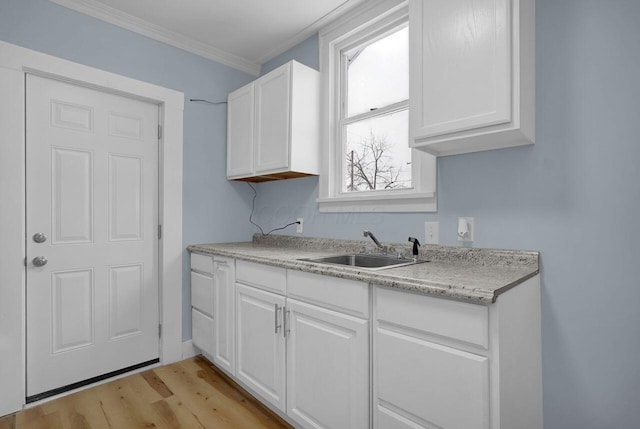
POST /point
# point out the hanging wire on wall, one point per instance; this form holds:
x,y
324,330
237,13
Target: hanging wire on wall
x,y
201,100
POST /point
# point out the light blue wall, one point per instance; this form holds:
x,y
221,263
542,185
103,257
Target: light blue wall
x,y
574,196
213,209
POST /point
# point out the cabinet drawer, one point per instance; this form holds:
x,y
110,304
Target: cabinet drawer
x,y
202,263
460,321
263,276
202,331
202,293
421,382
347,296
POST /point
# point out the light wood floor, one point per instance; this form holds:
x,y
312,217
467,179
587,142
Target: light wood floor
x,y
191,394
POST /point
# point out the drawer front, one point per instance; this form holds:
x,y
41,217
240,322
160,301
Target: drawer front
x,y
428,385
345,296
266,277
202,329
202,263
202,293
461,321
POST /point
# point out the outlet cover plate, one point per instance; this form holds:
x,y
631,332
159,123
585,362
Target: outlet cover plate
x,y
431,233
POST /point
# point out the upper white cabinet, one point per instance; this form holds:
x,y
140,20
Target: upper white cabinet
x,y
472,75
273,126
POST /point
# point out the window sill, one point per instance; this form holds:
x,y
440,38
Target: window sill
x,y
414,202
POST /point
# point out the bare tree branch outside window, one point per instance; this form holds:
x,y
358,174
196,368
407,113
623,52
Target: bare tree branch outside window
x,y
370,166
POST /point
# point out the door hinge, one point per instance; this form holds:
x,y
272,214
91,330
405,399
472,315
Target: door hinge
x,y
159,331
159,131
159,232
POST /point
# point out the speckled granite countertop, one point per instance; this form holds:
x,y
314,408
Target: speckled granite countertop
x,y
468,274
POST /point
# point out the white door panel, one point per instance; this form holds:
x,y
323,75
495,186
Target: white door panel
x,y
92,189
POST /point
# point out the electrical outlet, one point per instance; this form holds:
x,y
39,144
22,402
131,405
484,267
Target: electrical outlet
x,y
431,233
466,229
299,225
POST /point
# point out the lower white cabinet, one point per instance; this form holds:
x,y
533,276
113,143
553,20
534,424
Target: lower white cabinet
x,y
308,361
319,352
446,364
327,367
261,343
212,312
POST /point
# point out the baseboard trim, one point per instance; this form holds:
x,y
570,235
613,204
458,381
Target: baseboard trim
x,y
189,350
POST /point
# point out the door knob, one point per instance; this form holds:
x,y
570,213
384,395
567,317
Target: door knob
x,y
39,237
39,261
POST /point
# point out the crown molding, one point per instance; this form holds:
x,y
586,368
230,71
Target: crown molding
x,y
310,30
153,31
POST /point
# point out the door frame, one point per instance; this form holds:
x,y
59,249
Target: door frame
x,y
15,62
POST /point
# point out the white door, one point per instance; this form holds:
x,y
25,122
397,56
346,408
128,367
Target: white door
x,y
92,190
327,368
261,343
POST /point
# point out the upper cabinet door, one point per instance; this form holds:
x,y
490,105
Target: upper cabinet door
x,y
273,105
240,132
471,74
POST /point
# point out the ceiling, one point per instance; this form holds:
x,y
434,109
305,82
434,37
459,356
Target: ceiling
x,y
239,33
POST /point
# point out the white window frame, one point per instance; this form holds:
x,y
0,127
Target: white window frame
x,y
374,17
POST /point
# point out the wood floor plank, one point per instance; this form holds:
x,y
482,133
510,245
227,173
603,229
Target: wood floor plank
x,y
221,382
191,394
124,408
210,402
144,391
79,411
173,410
156,383
45,421
203,402
8,422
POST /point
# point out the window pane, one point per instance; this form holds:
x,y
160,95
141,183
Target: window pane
x,y
377,154
378,74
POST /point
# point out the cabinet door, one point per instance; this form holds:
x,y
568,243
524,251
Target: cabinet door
x,y
223,299
460,65
260,362
420,384
273,104
240,132
327,368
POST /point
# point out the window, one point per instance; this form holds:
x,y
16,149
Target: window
x,y
367,162
374,114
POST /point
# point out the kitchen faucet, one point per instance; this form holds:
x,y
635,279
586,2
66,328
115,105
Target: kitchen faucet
x,y
369,234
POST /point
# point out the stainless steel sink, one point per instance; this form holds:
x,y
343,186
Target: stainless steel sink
x,y
364,260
